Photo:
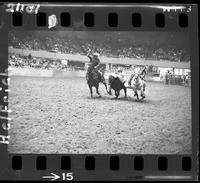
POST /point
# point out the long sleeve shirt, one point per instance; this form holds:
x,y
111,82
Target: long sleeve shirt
x,y
94,61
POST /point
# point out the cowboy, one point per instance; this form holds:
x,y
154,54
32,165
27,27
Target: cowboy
x,y
93,63
141,73
136,73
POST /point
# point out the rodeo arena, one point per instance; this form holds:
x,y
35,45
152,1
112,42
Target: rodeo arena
x,y
99,92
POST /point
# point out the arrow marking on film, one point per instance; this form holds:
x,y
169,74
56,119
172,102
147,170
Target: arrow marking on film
x,y
53,177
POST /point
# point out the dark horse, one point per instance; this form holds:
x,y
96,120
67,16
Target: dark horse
x,y
116,85
93,78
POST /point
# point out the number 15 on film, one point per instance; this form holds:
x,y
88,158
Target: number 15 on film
x,y
67,176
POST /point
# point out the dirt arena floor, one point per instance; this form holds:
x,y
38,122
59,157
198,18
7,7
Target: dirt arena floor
x,y
57,115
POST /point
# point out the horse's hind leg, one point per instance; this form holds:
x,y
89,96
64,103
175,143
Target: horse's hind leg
x,y
102,79
144,86
97,90
136,94
142,93
106,87
109,92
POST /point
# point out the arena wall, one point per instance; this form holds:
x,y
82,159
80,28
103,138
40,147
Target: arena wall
x,y
44,72
33,72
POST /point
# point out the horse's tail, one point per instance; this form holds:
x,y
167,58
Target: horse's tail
x,y
87,76
102,78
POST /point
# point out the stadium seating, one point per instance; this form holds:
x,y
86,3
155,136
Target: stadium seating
x,y
114,49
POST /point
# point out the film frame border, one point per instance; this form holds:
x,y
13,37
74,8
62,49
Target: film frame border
x,y
102,162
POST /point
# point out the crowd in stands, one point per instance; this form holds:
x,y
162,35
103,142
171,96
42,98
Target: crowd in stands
x,y
107,49
40,63
45,63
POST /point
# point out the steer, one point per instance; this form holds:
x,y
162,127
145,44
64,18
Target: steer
x,y
116,84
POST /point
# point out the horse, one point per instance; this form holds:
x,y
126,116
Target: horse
x,y
138,84
93,79
116,84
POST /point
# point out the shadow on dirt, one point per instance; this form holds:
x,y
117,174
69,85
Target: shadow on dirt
x,y
120,99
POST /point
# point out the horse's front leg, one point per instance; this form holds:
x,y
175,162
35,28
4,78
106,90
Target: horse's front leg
x,y
91,91
142,94
125,92
116,94
136,94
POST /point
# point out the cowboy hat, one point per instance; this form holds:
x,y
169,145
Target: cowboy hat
x,y
96,54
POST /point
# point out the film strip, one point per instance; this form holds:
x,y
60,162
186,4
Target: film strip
x,y
39,150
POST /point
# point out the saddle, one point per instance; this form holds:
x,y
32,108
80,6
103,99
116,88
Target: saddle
x,y
94,73
142,77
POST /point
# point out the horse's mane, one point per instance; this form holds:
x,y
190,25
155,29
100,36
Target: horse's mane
x,y
102,70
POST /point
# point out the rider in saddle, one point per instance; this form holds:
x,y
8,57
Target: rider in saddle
x,y
94,62
142,74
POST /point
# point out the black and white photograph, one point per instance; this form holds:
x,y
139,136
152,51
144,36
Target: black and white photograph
x,y
99,92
